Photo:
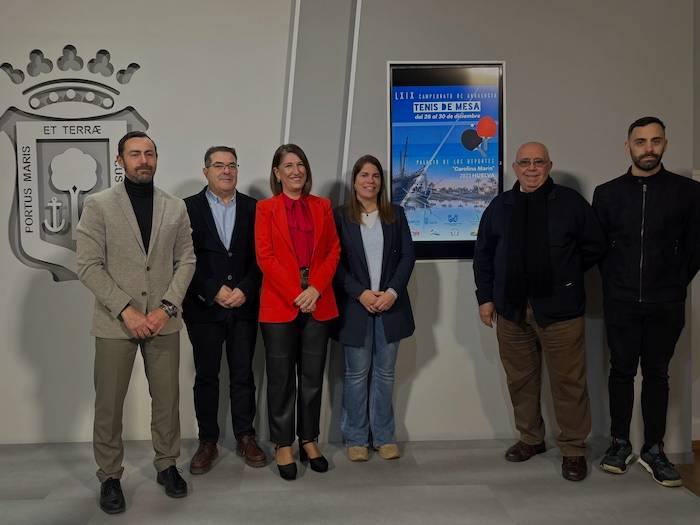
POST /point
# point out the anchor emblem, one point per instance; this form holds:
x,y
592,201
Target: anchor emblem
x,y
54,226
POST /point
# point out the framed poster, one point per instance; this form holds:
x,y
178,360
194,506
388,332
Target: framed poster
x,y
445,136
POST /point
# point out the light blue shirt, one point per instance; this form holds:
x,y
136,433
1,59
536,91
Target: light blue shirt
x,y
224,216
373,243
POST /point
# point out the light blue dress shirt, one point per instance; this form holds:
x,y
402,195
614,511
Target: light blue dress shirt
x,y
224,216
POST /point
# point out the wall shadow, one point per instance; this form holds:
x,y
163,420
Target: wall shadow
x,y
417,351
335,365
487,345
56,344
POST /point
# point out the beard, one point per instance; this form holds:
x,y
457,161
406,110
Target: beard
x,y
647,162
141,174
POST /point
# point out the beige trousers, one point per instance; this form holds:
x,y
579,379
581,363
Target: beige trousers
x,y
114,360
521,347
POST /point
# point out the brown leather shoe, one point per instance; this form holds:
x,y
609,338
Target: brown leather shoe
x,y
574,468
203,459
521,451
248,449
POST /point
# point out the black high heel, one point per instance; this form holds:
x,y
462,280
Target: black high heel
x,y
287,472
319,464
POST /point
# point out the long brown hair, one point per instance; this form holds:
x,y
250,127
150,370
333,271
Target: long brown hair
x,y
354,209
280,152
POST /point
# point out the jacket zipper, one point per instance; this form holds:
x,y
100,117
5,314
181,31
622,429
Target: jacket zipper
x,y
641,250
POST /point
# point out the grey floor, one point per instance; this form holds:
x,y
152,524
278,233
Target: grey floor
x,y
461,482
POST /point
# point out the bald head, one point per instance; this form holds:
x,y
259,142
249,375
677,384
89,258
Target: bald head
x,y
532,165
536,148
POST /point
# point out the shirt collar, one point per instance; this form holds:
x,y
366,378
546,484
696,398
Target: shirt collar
x,y
289,202
212,198
650,179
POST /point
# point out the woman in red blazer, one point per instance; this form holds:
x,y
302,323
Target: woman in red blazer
x,y
297,249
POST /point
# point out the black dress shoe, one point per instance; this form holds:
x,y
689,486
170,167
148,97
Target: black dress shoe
x,y
175,486
574,468
319,464
288,471
112,497
521,451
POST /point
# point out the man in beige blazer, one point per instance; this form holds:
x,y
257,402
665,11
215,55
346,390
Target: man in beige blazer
x,y
135,254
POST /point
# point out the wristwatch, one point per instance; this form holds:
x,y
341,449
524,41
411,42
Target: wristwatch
x,y
169,308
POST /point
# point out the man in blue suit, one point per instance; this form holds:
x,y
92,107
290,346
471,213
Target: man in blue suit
x,y
221,307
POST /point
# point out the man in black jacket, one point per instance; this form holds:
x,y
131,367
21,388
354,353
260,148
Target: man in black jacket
x,y
652,219
533,246
221,306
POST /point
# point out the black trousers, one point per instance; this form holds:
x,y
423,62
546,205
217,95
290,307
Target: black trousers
x,y
295,355
207,342
647,333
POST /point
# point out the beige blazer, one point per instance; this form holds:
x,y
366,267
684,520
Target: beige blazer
x,y
114,265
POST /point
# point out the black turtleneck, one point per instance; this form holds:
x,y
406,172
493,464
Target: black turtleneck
x,y
141,197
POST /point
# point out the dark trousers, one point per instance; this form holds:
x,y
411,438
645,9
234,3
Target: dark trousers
x,y
207,342
647,333
300,346
521,346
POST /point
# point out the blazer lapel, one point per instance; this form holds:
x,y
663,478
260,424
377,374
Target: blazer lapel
x,y
128,210
388,231
358,247
158,211
205,210
279,216
240,217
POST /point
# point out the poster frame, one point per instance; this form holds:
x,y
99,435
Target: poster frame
x,y
445,249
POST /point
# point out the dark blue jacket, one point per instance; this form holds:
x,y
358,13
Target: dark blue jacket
x,y
352,278
576,242
216,266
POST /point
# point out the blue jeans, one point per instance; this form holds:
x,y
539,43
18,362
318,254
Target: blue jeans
x,y
359,416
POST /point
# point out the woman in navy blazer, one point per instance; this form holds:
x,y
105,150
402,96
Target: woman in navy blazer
x,y
376,262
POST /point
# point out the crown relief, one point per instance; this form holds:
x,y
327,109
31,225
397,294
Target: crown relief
x,y
70,89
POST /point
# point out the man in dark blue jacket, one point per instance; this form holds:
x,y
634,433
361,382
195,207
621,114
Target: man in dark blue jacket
x,y
221,306
652,219
534,244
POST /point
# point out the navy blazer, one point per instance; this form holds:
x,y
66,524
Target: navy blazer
x,y
216,266
352,278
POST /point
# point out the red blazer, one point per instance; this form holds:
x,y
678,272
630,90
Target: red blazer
x,y
278,262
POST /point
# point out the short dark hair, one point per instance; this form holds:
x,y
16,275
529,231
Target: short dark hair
x,y
280,152
218,149
645,121
134,135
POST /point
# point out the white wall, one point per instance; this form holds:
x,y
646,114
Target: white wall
x,y
577,74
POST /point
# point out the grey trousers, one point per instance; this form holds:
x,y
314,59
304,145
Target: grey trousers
x,y
114,360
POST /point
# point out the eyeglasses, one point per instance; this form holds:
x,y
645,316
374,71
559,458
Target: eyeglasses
x,y
537,163
220,165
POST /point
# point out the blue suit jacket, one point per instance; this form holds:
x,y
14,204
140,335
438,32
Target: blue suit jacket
x,y
352,278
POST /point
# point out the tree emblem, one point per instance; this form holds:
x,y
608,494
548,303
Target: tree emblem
x,y
73,172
